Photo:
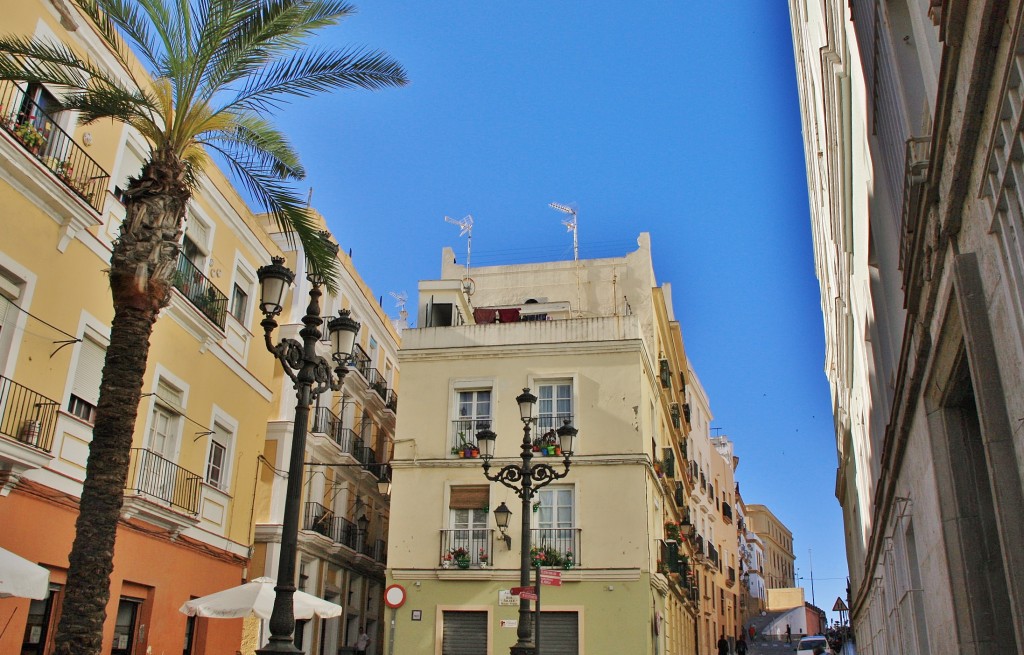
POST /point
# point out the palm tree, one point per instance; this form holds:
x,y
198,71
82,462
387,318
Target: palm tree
x,y
216,68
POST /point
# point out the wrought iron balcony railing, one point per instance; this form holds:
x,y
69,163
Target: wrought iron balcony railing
x,y
391,401
152,475
727,512
41,136
200,291
318,519
328,423
563,542
475,546
359,360
27,416
377,551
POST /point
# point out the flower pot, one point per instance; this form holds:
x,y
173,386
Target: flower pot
x,y
550,450
445,563
462,563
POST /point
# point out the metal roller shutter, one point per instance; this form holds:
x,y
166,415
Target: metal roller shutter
x,y
559,633
465,633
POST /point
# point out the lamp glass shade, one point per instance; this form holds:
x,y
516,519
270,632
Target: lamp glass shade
x,y
526,402
363,523
275,278
485,441
342,330
501,516
384,486
566,436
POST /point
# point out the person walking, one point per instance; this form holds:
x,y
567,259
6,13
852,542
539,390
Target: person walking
x,y
789,635
751,632
723,645
362,641
741,646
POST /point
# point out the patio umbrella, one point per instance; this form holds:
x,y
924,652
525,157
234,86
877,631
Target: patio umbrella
x,y
256,597
20,577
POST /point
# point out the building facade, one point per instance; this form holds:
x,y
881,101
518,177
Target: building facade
x,y
211,394
912,120
598,343
777,541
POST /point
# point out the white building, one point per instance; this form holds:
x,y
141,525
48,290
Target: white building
x,y
912,130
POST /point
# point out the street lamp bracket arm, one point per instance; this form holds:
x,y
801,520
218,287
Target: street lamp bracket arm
x,y
540,475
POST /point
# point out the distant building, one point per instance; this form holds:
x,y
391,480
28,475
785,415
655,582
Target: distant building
x,y
777,541
912,134
599,344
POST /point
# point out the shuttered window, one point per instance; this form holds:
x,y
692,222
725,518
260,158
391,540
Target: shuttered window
x,y
469,497
560,633
464,633
85,390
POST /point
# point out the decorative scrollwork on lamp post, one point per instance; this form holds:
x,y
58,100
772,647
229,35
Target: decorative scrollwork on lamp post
x,y
525,479
311,375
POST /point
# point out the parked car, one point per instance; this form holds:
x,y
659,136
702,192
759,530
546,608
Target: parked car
x,y
808,645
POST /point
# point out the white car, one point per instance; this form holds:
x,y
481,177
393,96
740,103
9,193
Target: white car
x,y
808,644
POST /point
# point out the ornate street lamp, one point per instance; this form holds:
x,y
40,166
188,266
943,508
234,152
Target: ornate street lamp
x,y
311,376
525,479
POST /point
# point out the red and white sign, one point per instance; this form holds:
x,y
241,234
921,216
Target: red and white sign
x,y
551,578
528,595
394,596
516,591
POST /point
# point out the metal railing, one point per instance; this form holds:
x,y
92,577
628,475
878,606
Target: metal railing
x,y
565,542
549,423
391,402
478,545
345,532
376,382
319,519
377,551
915,173
328,423
26,415
200,291
347,440
727,512
731,578
54,148
152,475
359,360
713,554
464,433
680,495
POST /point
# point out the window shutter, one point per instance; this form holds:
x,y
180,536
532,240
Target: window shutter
x,y
469,497
89,371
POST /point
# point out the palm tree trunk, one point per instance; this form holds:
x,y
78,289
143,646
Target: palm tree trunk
x,y
141,267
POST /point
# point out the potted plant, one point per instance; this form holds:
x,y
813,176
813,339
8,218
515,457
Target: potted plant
x,y
30,136
483,557
446,561
568,561
545,556
461,557
672,530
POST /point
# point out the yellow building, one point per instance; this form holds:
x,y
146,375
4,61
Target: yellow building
x,y
779,571
211,394
714,526
597,342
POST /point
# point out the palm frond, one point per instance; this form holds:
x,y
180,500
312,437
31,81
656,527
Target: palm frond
x,y
290,214
33,60
132,26
310,72
257,138
100,13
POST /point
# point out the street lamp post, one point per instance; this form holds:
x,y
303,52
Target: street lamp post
x,y
525,479
311,375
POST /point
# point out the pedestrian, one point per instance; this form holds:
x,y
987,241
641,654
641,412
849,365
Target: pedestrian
x,y
789,635
751,632
362,642
723,645
741,646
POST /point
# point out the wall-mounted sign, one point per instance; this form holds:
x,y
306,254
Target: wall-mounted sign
x,y
505,597
510,623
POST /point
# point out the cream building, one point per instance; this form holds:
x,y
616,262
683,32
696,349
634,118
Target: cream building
x,y
211,394
911,118
597,342
777,540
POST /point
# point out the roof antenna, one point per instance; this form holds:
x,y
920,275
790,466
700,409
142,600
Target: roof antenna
x,y
465,229
570,224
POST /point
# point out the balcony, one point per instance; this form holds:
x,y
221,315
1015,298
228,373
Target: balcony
x,y
713,556
28,421
200,291
562,543
727,512
360,361
680,497
161,492
364,455
391,401
915,173
477,544
321,520
730,579
463,436
42,138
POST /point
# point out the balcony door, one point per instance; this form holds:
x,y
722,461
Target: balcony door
x,y
555,519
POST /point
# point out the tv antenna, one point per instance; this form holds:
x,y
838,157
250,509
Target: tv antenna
x,y
400,300
465,229
570,224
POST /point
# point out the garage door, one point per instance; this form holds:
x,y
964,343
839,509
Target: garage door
x,y
559,633
465,633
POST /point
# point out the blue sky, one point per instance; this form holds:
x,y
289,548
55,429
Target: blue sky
x,y
679,119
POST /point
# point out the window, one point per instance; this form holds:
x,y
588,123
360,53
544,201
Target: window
x,y
190,633
130,166
554,404
555,519
39,623
467,507
239,303
474,414
124,626
85,390
217,459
